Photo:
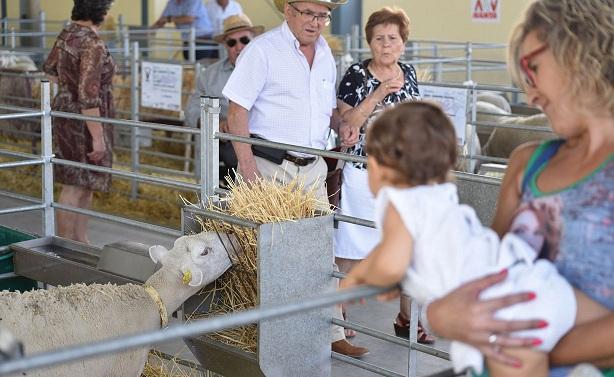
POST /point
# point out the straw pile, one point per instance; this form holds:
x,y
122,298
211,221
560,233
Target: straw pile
x,y
262,202
163,365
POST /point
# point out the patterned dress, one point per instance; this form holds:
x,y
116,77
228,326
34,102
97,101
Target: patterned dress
x,y
358,83
84,68
355,241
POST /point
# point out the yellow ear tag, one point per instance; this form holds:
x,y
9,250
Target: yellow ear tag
x,y
187,277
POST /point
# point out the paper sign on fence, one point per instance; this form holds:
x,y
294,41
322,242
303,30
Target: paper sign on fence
x,y
454,103
161,85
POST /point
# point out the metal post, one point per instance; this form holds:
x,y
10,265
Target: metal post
x,y
192,45
356,42
474,100
412,360
134,112
13,39
125,43
468,57
47,152
42,28
209,157
437,65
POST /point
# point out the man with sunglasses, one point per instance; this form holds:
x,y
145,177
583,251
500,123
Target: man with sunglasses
x,y
283,90
237,32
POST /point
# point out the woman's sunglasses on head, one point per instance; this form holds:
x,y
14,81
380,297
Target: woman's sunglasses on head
x,y
232,42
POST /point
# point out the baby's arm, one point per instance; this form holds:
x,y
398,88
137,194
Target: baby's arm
x,y
387,263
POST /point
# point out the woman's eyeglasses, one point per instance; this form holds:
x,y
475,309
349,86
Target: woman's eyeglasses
x,y
528,72
311,17
232,42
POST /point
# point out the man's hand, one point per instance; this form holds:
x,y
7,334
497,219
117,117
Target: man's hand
x,y
249,171
349,135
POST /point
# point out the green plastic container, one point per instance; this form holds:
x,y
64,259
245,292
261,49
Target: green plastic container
x,y
18,283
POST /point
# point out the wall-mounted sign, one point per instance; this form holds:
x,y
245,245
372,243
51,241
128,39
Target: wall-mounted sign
x,y
454,103
486,10
161,85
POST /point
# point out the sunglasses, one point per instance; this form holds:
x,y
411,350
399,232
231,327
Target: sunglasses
x,y
528,73
232,42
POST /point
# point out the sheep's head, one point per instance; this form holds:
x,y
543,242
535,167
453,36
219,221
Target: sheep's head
x,y
200,258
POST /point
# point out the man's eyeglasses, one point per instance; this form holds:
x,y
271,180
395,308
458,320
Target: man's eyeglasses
x,y
528,72
232,42
322,18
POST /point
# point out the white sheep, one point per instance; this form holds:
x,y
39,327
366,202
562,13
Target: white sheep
x,y
62,316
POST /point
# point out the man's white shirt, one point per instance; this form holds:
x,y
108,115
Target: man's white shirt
x,y
217,14
288,101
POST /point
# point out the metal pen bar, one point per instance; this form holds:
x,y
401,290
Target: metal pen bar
x,y
19,154
121,220
364,365
199,327
354,220
15,164
19,116
476,178
21,209
512,126
124,174
123,122
371,332
19,197
222,217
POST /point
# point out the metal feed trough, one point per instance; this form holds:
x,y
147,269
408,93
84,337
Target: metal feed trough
x,y
58,261
295,259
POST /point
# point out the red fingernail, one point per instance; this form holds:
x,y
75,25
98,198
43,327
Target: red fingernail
x,y
503,272
537,342
542,324
517,364
531,296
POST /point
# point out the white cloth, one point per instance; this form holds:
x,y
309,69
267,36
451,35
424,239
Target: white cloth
x,y
355,241
451,247
217,14
288,102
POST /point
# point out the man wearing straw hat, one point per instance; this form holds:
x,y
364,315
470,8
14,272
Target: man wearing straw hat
x,y
283,90
237,32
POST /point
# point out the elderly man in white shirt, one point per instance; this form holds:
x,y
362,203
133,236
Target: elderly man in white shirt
x,y
283,90
219,10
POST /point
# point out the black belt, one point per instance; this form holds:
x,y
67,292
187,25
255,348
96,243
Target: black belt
x,y
300,161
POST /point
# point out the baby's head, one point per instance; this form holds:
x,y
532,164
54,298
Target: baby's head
x,y
412,144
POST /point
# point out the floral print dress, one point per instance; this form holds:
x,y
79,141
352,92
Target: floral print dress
x,y
84,68
358,83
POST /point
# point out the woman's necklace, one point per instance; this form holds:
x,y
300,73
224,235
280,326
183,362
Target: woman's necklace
x,y
381,78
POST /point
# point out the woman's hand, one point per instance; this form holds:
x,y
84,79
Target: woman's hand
x,y
388,87
99,149
349,134
462,316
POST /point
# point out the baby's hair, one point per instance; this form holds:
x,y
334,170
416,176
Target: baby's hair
x,y
417,140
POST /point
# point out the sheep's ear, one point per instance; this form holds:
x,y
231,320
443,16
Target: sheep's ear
x,y
156,253
197,278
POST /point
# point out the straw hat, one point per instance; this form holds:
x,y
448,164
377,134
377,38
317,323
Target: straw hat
x,y
236,23
331,4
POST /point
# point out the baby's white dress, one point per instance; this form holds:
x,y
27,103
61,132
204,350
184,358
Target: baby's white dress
x,y
451,247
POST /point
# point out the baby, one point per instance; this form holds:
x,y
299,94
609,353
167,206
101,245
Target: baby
x,y
431,243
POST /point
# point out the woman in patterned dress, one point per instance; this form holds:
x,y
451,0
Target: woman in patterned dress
x,y
367,88
83,68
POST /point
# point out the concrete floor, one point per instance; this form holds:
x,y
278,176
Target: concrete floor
x,y
373,314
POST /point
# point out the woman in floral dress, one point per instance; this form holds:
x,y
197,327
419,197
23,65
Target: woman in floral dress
x,y
83,68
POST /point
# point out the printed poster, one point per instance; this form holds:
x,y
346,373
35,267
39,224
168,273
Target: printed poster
x,y
161,85
454,102
485,10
